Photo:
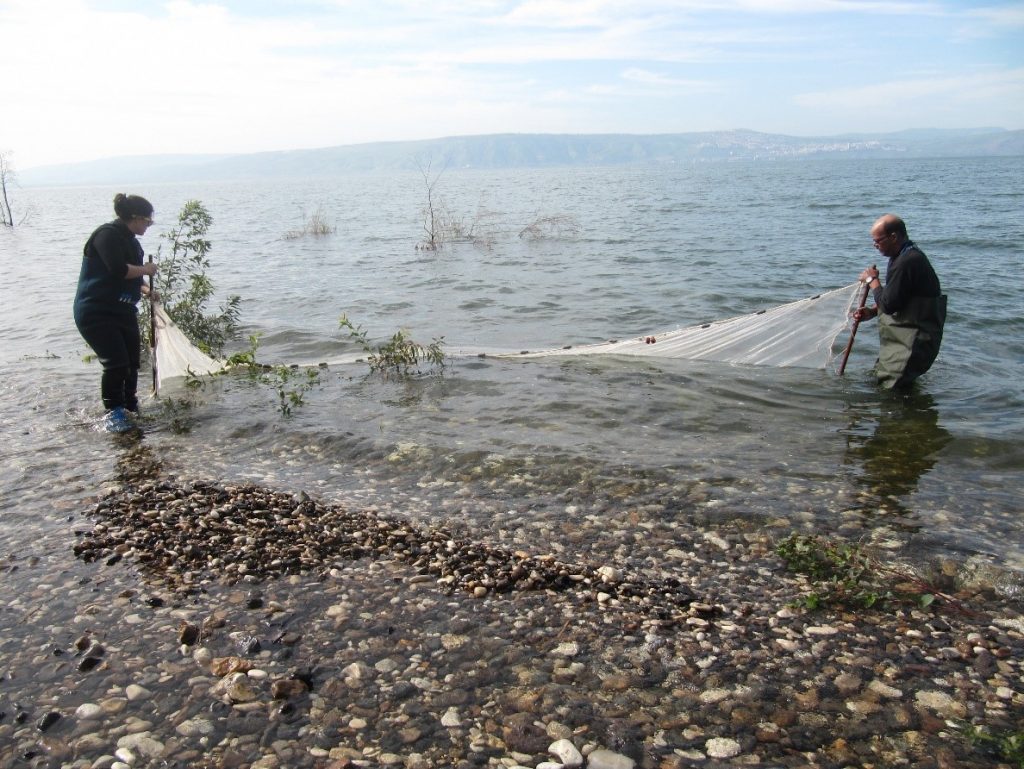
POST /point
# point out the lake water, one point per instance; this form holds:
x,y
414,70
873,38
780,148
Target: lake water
x,y
526,449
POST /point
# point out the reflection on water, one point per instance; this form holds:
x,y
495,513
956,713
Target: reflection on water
x,y
525,449
902,447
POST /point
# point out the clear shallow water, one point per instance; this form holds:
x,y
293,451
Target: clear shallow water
x,y
520,446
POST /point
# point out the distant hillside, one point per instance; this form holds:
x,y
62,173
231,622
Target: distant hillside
x,y
531,151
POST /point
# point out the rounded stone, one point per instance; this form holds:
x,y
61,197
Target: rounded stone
x,y
88,711
195,727
722,747
136,693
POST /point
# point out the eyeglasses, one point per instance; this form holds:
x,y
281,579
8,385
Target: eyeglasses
x,y
147,219
879,241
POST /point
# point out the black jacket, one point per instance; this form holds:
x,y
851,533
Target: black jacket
x,y
102,286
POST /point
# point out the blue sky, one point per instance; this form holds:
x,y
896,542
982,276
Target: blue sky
x,y
91,79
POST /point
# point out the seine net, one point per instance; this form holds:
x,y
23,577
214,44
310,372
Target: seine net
x,y
176,356
801,333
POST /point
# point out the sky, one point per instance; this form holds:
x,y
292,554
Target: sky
x,y
94,79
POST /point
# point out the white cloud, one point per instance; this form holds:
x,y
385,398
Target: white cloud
x,y
191,76
982,99
993,21
666,82
999,16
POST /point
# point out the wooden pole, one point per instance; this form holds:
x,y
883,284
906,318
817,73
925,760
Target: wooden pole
x,y
856,323
152,335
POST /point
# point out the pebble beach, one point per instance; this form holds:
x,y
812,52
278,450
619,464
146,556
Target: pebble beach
x,y
223,625
520,563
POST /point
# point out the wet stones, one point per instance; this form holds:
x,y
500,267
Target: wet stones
x,y
88,663
48,720
288,688
195,727
566,753
607,759
236,687
225,666
88,711
184,534
188,634
269,648
247,644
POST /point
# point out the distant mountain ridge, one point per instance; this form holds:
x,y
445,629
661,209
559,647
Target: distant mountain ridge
x,y
492,151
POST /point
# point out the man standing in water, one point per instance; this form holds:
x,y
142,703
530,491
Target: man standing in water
x,y
911,308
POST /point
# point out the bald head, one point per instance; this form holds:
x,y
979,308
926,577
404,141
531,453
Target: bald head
x,y
889,234
890,224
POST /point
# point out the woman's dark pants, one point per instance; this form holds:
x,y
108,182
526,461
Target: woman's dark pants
x,y
117,344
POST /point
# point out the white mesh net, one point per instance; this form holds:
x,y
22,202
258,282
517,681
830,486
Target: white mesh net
x,y
800,333
176,356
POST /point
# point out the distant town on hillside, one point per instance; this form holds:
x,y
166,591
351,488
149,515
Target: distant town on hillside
x,y
495,151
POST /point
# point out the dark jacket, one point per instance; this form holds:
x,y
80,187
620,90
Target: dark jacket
x,y
102,286
912,313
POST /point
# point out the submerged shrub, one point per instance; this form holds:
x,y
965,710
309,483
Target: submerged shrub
x,y
400,355
315,224
184,287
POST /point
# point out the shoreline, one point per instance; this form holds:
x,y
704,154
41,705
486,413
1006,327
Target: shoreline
x,y
193,645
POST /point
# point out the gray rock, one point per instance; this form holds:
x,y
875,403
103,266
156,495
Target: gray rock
x,y
195,727
606,759
567,753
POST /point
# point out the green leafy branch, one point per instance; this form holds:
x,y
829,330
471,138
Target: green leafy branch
x,y
844,574
290,382
399,356
178,411
185,288
247,358
1005,746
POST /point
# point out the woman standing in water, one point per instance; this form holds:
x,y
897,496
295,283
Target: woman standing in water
x,y
106,312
